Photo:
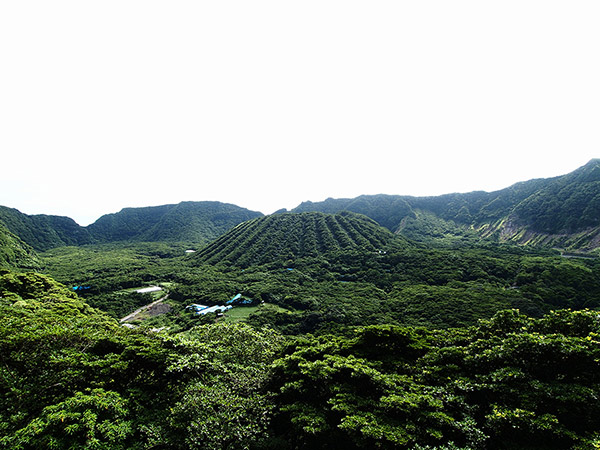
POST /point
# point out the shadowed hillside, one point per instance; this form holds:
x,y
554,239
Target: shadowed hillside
x,y
43,232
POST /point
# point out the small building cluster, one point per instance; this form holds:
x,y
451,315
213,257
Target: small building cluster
x,y
203,309
238,300
81,288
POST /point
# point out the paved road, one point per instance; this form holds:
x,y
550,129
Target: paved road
x,y
143,308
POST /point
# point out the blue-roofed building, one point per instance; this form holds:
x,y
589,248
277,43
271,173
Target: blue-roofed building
x,y
203,309
81,288
196,307
214,309
235,298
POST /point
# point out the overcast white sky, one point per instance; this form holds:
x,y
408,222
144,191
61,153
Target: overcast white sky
x,y
266,104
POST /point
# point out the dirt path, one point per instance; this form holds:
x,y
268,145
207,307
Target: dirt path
x,y
143,308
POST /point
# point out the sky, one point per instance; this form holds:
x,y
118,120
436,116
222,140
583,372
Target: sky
x,y
266,104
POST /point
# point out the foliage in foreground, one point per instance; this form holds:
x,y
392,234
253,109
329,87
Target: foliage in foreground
x,y
510,383
70,377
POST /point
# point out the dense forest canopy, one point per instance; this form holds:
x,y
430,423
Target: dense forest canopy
x,y
377,322
73,378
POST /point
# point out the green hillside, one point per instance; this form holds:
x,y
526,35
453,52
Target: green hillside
x,y
14,253
73,378
565,205
197,222
289,236
562,211
473,208
187,221
43,232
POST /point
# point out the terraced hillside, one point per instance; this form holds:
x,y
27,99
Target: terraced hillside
x,y
295,235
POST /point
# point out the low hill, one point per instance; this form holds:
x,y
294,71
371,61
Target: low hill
x,y
289,236
562,211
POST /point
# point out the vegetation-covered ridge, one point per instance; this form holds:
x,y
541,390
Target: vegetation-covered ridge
x,y
290,236
562,211
43,232
197,222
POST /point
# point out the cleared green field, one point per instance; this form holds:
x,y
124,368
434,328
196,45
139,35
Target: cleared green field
x,y
241,313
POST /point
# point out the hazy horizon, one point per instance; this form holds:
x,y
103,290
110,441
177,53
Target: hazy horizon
x,y
86,223
268,104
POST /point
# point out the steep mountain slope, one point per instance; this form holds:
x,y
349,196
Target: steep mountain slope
x,y
187,221
561,211
295,235
566,204
391,210
387,210
14,253
43,232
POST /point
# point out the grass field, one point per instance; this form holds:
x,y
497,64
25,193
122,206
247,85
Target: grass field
x,y
241,313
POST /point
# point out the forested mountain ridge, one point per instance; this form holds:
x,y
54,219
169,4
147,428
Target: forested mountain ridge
x,y
289,236
562,211
43,232
198,222
186,221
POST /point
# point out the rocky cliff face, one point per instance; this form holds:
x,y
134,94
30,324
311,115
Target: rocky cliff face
x,y
509,230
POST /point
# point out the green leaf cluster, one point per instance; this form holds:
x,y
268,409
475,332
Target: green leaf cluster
x,y
510,382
